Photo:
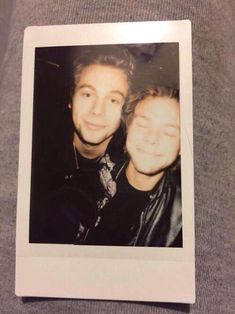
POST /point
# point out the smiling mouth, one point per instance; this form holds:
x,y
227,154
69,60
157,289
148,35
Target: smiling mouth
x,y
94,126
147,152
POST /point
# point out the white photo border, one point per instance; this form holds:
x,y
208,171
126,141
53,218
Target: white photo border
x,y
102,272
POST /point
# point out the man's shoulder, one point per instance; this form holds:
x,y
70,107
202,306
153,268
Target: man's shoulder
x,y
176,212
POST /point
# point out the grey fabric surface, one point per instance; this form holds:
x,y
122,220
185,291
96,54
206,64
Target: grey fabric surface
x,y
213,78
5,12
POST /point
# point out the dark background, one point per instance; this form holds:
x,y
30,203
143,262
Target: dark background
x,y
156,64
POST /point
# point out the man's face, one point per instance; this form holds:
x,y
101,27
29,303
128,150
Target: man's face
x,y
153,137
97,103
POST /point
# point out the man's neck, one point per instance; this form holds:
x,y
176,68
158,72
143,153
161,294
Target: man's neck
x,y
141,181
90,151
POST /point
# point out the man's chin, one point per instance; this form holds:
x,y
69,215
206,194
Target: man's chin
x,y
91,140
149,171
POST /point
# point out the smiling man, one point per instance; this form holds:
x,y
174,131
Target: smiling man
x,y
82,180
101,87
146,210
102,81
153,141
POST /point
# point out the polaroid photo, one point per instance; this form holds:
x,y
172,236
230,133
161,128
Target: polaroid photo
x,y
105,188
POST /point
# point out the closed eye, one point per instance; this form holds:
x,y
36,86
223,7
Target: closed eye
x,y
141,122
171,133
141,125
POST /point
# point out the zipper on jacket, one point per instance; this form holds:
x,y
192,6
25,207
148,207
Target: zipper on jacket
x,y
86,234
140,227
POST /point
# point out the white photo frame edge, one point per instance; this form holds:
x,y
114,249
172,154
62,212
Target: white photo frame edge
x,y
40,260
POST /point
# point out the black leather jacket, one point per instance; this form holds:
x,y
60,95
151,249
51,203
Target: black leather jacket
x,y
159,223
161,220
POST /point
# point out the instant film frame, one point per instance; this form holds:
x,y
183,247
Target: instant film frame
x,y
106,272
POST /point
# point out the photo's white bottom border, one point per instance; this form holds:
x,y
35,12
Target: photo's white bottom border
x,y
104,279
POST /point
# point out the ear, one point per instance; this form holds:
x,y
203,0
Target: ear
x,y
69,106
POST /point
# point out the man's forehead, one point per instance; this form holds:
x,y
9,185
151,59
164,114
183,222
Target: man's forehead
x,y
105,77
151,108
150,103
97,67
99,72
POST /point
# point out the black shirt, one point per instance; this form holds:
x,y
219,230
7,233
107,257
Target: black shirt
x,y
120,218
65,192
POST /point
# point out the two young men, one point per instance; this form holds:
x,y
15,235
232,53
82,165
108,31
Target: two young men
x,y
141,204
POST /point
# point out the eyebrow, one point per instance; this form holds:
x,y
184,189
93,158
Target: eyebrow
x,y
118,92
85,86
115,91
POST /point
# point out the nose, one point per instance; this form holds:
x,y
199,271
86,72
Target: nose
x,y
98,107
152,137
